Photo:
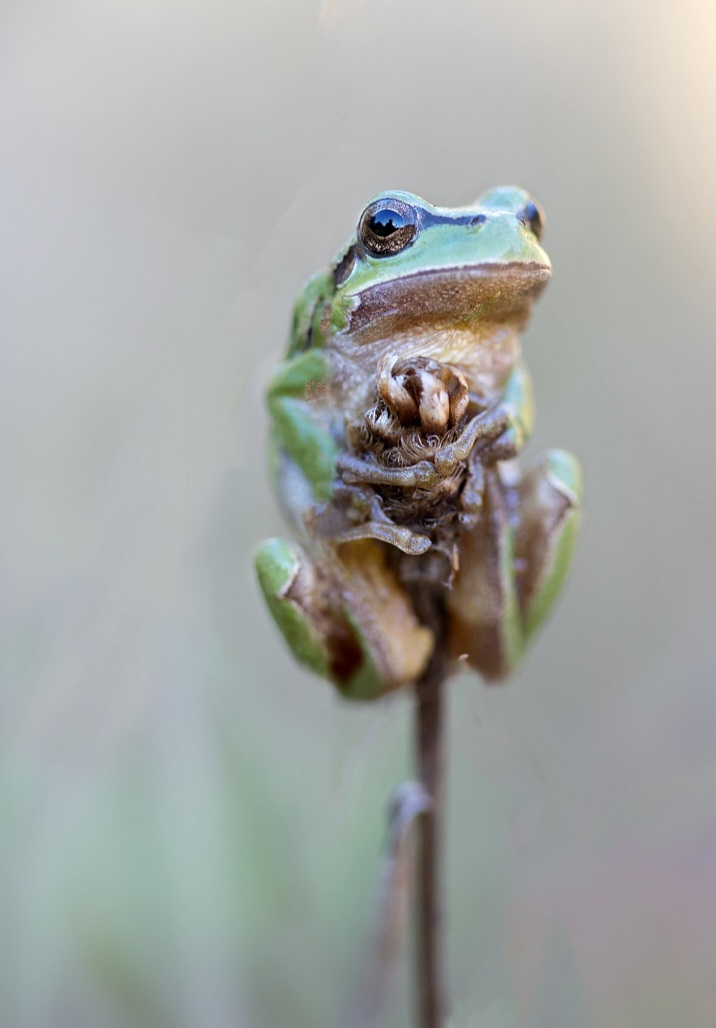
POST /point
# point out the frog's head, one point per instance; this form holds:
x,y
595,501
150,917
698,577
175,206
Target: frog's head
x,y
411,265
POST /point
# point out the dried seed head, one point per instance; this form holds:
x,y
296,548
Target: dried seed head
x,y
422,391
392,389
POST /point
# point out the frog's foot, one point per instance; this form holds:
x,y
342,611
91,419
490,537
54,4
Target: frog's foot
x,y
412,543
481,431
346,616
357,513
506,446
550,496
509,576
472,496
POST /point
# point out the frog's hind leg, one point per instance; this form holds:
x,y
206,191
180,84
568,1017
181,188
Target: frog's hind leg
x,y
345,616
549,506
514,555
485,623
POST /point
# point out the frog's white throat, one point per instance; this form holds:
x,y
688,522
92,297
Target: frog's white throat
x,y
470,317
485,353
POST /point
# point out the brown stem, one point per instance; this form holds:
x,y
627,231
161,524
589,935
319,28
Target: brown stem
x,y
429,747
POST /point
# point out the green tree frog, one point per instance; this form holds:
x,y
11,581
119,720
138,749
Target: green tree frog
x,y
397,414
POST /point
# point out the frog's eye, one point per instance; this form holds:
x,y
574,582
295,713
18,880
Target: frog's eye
x,y
387,226
531,215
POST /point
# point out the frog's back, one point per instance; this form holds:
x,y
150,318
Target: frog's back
x,y
304,432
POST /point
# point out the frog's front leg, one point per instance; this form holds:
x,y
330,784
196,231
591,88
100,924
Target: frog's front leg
x,y
367,471
375,524
486,427
513,562
516,411
517,408
345,615
356,512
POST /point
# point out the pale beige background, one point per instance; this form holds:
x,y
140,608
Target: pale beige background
x,y
190,825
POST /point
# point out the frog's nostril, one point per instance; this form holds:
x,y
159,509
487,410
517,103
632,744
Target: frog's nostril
x,y
479,219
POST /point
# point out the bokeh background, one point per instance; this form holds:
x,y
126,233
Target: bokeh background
x,y
190,825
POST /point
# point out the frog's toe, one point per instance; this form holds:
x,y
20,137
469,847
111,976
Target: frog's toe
x,y
550,509
505,447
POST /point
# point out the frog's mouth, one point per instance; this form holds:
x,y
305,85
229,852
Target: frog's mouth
x,y
499,292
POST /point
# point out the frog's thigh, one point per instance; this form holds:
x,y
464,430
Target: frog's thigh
x,y
550,496
347,618
485,625
289,583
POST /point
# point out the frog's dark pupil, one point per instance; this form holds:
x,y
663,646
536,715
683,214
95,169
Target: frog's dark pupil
x,y
384,223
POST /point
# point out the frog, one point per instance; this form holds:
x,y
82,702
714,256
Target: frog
x,y
397,418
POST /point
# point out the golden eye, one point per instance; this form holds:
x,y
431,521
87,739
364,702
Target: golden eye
x,y
388,226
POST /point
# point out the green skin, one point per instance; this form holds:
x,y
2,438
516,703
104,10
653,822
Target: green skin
x,y
459,293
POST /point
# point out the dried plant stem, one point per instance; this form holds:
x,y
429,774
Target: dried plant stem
x,y
430,985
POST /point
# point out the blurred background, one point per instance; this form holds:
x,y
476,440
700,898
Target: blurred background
x,y
191,826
